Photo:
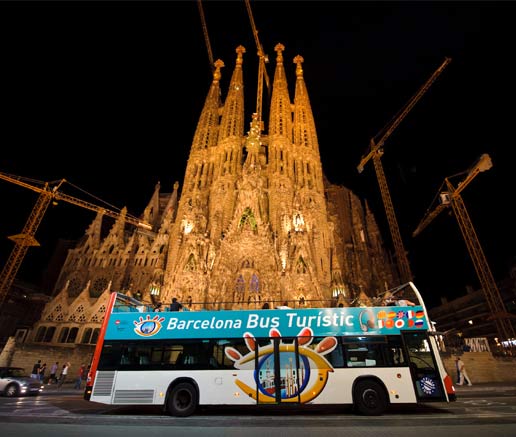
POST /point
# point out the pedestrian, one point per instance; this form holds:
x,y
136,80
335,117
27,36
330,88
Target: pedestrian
x,y
266,306
64,372
157,308
175,305
53,370
457,369
80,375
35,370
463,373
41,372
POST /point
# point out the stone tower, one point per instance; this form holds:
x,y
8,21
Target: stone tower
x,y
256,221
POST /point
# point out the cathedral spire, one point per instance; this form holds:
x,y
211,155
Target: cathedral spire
x,y
206,132
305,135
93,233
232,121
205,137
280,119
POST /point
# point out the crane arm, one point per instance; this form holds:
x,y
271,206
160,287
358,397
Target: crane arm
x,y
53,193
18,180
259,47
92,207
375,146
429,216
206,37
484,163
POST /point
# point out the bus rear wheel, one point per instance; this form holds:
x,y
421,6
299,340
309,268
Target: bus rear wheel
x,y
369,398
182,400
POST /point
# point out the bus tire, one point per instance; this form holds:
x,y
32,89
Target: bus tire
x,y
182,400
369,398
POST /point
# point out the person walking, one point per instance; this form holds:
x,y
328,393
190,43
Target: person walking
x,y
463,373
64,372
80,375
35,370
41,372
53,370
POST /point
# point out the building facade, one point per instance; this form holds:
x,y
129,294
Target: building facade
x,y
254,221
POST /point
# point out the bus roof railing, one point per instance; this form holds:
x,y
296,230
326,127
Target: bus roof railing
x,y
257,302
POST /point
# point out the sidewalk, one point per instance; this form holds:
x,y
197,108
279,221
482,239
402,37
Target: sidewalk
x,y
483,387
66,388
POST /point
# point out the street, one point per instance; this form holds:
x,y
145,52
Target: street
x,y
480,410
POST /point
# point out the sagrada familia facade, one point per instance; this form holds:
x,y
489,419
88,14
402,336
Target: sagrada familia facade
x,y
254,221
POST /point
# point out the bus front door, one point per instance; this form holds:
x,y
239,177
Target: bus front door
x,y
423,367
277,374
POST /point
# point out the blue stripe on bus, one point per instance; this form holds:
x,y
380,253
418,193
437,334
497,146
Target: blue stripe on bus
x,y
289,322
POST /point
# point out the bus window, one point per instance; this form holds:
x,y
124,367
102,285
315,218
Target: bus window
x,y
395,355
365,351
234,343
335,357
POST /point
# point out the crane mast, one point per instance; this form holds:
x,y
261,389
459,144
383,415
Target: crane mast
x,y
26,238
375,153
450,196
262,71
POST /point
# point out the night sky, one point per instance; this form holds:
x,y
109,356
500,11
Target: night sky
x,y
108,95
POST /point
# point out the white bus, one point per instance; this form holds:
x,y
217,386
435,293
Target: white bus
x,y
367,357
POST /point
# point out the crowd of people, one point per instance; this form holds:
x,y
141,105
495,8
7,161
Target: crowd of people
x,y
39,369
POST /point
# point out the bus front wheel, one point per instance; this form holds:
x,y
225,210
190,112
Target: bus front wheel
x,y
182,400
369,398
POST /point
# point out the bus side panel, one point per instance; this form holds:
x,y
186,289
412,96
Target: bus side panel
x,y
339,390
217,387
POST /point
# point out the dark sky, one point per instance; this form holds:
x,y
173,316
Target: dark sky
x,y
107,96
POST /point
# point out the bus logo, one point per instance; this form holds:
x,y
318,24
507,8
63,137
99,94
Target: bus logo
x,y
148,327
304,383
428,385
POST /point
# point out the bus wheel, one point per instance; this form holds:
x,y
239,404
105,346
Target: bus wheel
x,y
369,398
182,400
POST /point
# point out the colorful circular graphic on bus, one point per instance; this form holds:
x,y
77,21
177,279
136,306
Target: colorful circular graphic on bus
x,y
148,327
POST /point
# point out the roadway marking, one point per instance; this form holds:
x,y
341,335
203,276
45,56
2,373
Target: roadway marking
x,y
483,402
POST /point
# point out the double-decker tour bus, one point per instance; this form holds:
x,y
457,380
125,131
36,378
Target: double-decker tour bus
x,y
367,357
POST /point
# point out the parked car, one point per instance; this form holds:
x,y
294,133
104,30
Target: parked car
x,y
14,381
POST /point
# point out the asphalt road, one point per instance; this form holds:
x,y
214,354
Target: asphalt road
x,y
482,410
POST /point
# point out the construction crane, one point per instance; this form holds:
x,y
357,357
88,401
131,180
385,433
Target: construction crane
x,y
450,196
263,58
48,192
262,71
375,153
206,36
